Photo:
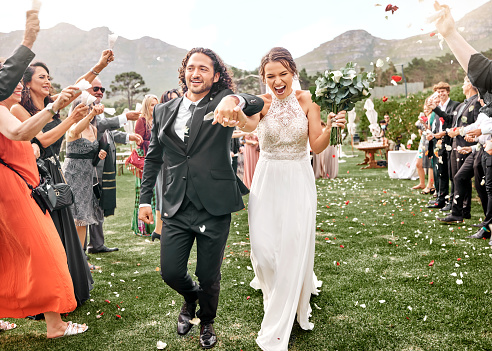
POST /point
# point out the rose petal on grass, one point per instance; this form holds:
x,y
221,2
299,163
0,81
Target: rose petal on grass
x,y
459,281
161,345
195,321
431,263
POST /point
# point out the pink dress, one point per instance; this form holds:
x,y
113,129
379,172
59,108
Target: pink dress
x,y
251,156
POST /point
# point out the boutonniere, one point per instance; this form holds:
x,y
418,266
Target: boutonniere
x,y
455,112
464,119
471,108
479,146
186,129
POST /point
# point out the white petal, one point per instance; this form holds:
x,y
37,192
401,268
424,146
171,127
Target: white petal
x,y
161,345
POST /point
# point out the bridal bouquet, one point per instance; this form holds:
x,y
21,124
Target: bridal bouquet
x,y
340,90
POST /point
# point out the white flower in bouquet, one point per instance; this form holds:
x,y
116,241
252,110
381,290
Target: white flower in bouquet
x,y
339,90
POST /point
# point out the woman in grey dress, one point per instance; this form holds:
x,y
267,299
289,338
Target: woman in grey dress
x,y
82,148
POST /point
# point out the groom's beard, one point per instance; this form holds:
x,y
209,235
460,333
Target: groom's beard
x,y
204,87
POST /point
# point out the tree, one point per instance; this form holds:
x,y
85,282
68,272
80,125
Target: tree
x,y
128,84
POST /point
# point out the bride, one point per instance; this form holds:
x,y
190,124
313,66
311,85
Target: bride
x,y
282,201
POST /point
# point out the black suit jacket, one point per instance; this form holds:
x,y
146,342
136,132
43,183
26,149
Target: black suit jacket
x,y
13,69
448,116
471,108
205,161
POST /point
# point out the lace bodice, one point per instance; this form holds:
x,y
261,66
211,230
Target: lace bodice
x,y
283,132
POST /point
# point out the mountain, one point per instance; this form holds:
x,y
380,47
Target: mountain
x,y
361,47
70,52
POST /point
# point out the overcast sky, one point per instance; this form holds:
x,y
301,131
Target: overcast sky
x,y
241,32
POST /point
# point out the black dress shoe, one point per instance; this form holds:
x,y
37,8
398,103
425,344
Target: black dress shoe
x,y
208,339
451,219
478,225
155,236
480,234
103,248
185,316
447,207
467,215
436,205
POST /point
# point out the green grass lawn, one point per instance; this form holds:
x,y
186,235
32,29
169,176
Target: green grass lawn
x,y
372,254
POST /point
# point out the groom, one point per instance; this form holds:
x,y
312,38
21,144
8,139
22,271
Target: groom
x,y
201,187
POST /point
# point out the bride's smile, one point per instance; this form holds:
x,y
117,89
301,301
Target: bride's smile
x,y
279,79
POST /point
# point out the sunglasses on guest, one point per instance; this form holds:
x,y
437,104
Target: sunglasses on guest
x,y
96,89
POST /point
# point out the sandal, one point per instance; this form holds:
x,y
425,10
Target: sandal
x,y
6,325
94,267
427,191
73,329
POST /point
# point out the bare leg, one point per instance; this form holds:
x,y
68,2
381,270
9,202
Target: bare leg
x,y
430,180
158,222
421,172
82,232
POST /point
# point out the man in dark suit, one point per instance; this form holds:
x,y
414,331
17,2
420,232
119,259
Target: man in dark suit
x,y
462,164
107,133
201,187
13,68
445,109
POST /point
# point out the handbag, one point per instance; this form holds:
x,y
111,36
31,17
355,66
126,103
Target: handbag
x,y
137,161
43,194
62,191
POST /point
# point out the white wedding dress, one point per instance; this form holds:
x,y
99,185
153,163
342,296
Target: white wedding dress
x,y
282,219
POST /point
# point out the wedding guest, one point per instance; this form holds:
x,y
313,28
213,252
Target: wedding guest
x,y
251,156
325,164
477,66
13,68
444,107
143,127
35,97
82,149
167,96
467,113
34,275
107,134
282,203
424,154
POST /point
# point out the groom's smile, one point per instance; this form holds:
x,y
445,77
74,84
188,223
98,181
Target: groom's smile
x,y
200,76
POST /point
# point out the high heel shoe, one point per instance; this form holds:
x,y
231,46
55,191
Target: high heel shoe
x,y
155,236
427,191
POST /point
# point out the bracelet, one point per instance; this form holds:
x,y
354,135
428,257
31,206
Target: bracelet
x,y
93,71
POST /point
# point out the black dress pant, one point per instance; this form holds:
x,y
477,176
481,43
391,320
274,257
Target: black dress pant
x,y
441,175
178,235
487,167
463,172
479,177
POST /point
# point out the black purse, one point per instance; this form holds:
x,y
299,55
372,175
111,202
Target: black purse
x,y
43,194
62,191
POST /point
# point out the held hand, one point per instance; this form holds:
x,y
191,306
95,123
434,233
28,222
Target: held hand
x,y
36,150
474,133
107,57
465,150
145,214
136,138
79,113
98,109
32,28
440,135
453,133
445,25
430,136
470,139
226,111
102,154
64,98
133,115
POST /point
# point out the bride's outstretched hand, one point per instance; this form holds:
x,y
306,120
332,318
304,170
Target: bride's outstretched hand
x,y
337,120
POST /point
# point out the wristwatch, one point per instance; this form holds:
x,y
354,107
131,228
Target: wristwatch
x,y
49,107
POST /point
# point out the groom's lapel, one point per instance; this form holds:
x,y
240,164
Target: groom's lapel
x,y
197,121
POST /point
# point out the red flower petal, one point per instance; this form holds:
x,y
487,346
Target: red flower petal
x,y
338,263
342,246
248,297
431,283
459,259
384,99
432,34
107,301
347,202
118,316
396,78
431,263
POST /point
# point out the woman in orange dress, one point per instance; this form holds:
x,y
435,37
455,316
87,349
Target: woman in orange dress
x,y
34,276
251,156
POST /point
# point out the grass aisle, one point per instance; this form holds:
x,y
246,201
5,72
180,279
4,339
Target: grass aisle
x,y
374,243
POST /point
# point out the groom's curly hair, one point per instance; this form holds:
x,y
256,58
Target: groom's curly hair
x,y
225,79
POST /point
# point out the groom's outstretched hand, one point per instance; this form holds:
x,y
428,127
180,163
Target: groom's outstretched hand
x,y
145,214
